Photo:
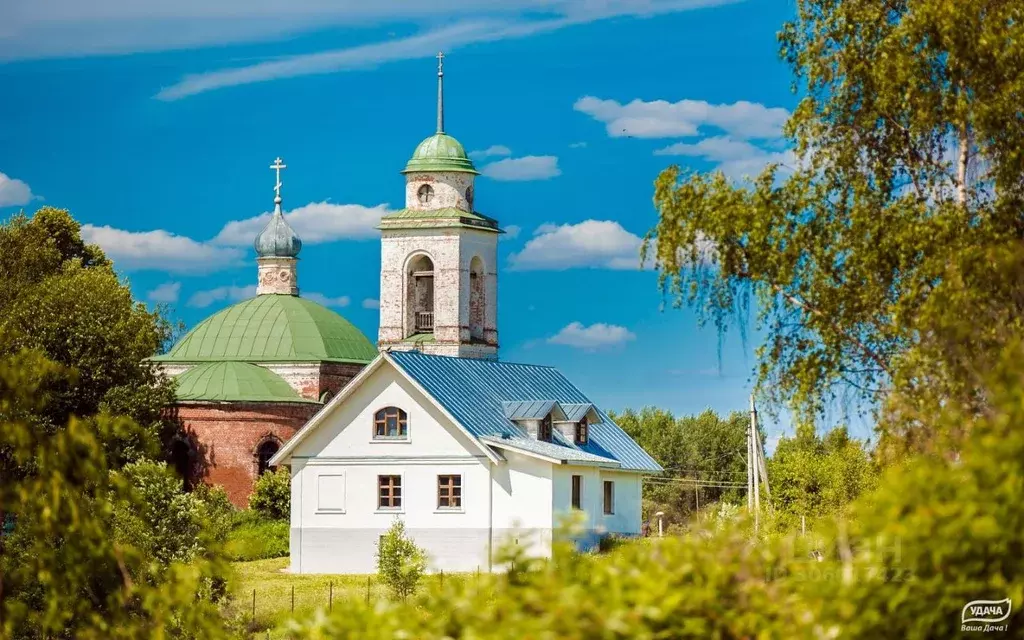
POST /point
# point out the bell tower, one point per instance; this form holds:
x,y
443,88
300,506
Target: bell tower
x,y
439,276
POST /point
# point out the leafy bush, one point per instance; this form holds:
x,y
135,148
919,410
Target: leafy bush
x,y
253,537
271,497
400,563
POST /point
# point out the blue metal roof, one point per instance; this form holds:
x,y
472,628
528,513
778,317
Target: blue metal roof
x,y
528,409
475,392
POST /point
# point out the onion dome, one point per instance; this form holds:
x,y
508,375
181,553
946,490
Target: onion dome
x,y
278,239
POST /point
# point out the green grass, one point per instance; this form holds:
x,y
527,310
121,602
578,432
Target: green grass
x,y
273,587
254,539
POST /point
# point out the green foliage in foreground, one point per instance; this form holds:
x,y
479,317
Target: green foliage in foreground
x,y
400,563
64,574
935,534
254,538
271,496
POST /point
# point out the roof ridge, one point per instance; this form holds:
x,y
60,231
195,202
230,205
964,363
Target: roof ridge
x,y
478,360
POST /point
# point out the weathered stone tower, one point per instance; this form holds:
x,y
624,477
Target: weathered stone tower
x,y
439,276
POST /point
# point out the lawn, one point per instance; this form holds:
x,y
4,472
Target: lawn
x,y
274,586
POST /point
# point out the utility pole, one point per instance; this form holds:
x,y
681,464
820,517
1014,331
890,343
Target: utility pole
x,y
755,460
750,463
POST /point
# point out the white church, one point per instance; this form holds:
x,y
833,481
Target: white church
x,y
469,451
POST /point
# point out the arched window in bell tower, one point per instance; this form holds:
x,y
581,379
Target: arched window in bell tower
x,y
419,286
477,298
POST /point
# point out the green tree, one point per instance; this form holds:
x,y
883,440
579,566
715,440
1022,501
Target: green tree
x,y
704,448
271,497
62,297
400,563
62,572
816,476
900,212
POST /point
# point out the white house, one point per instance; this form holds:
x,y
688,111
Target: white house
x,y
466,449
467,452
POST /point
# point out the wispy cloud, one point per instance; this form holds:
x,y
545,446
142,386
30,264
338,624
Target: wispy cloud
x,y
593,337
493,150
203,299
166,293
477,21
523,169
512,232
14,192
160,250
328,301
663,119
371,303
602,244
578,145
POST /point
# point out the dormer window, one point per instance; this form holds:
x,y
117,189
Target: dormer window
x,y
390,423
544,432
582,432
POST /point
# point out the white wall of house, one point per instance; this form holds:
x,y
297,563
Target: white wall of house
x,y
335,518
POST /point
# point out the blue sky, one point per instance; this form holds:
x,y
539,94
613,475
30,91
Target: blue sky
x,y
155,126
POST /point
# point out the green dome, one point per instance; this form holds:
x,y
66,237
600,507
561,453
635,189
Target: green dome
x,y
234,382
440,152
273,328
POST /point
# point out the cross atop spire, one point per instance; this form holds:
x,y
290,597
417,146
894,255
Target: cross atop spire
x,y
277,166
440,91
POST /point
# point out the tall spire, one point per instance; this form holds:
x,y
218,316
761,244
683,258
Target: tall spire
x,y
440,91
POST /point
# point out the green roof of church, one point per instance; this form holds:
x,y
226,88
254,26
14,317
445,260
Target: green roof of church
x,y
444,217
440,152
234,382
273,328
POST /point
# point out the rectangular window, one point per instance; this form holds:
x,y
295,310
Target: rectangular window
x,y
449,492
545,429
577,491
389,492
582,432
609,497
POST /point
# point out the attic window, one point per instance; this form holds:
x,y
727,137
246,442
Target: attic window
x,y
582,432
390,422
544,433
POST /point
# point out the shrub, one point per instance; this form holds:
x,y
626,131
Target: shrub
x,y
271,497
400,563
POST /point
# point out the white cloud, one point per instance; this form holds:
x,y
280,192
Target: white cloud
x,y
475,21
160,250
596,336
603,244
327,301
735,158
493,150
663,119
202,299
166,293
371,303
522,169
315,223
14,192
512,232
578,145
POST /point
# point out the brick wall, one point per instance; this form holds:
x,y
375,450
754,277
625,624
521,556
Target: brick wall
x,y
228,435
